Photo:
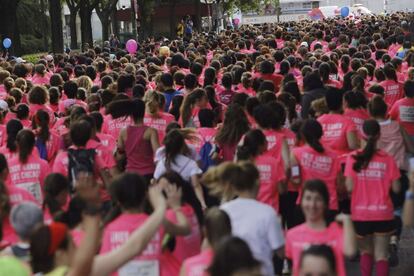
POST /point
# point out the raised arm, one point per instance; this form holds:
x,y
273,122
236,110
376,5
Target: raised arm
x,y
350,245
182,227
88,190
138,240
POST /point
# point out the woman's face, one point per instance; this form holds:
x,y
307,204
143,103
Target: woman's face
x,y
315,266
313,206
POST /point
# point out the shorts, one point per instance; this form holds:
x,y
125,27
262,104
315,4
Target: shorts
x,y
379,227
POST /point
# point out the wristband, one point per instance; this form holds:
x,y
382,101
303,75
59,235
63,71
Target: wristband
x,y
409,195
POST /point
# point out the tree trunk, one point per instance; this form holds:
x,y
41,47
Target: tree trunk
x,y
105,27
55,11
86,26
73,29
114,23
8,25
44,25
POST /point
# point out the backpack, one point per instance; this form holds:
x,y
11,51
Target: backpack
x,y
80,160
41,148
206,153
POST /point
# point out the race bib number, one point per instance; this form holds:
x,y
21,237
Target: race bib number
x,y
141,268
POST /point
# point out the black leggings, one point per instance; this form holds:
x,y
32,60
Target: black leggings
x,y
287,204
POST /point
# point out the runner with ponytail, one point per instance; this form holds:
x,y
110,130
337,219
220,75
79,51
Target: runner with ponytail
x,y
137,143
367,170
314,161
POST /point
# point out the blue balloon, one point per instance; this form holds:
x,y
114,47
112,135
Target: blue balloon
x,y
344,11
7,43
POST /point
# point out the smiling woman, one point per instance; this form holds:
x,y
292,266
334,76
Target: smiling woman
x,y
315,230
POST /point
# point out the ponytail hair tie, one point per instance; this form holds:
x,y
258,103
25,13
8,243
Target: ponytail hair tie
x,y
58,233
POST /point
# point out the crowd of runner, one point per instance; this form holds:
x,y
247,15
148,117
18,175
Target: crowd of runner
x,y
257,151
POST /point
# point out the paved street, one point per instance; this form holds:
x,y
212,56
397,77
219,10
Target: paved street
x,y
406,257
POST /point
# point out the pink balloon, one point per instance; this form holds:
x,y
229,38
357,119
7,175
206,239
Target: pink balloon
x,y
131,46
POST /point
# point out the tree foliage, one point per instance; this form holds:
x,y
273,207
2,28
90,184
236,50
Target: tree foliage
x,y
248,5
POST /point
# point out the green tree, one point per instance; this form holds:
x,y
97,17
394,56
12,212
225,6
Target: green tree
x,y
104,10
33,24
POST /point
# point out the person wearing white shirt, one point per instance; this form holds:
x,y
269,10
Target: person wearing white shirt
x,y
254,222
175,160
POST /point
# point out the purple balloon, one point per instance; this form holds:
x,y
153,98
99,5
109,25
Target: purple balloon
x,y
131,46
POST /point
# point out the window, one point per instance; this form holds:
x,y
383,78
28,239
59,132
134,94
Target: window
x,y
307,5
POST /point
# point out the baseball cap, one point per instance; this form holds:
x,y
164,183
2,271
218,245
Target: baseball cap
x,y
24,217
304,43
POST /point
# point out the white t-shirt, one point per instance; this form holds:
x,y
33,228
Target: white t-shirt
x,y
182,165
258,225
160,153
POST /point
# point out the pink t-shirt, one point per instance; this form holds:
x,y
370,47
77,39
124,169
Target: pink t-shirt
x,y
60,127
36,107
7,153
18,195
26,123
249,91
29,176
103,152
196,266
107,140
274,140
118,231
370,199
358,116
334,83
160,123
204,134
113,126
393,91
335,130
52,146
271,172
186,246
403,112
39,80
3,135
302,236
314,165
